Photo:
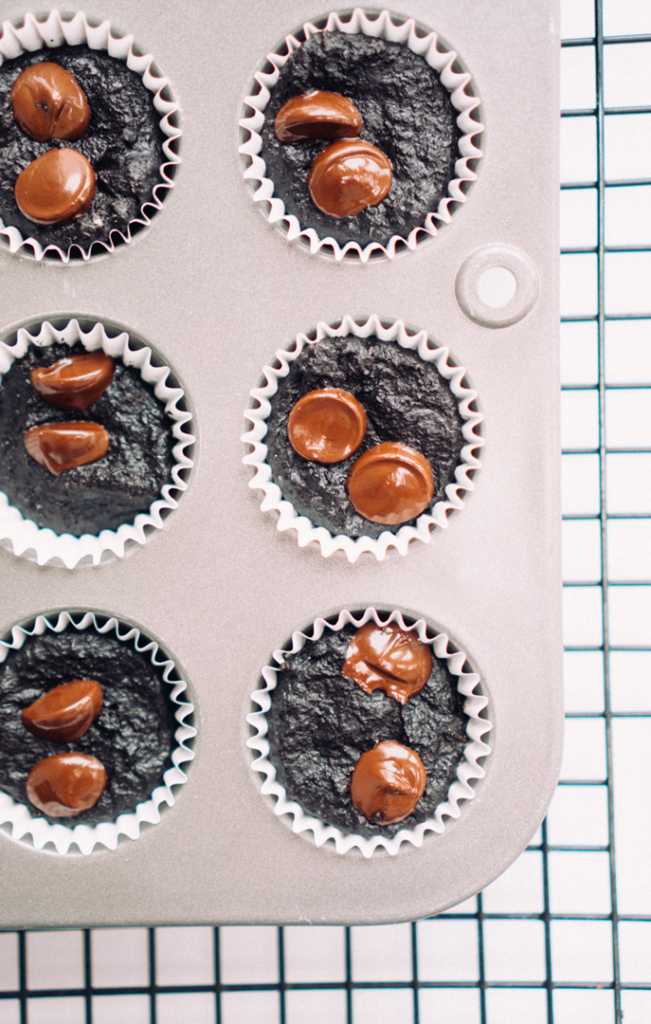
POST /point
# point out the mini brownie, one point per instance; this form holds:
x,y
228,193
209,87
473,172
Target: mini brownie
x,y
132,736
123,143
406,401
406,113
101,495
321,722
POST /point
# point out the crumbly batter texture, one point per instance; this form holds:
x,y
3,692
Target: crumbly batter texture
x,y
123,143
406,400
101,495
132,736
406,112
320,723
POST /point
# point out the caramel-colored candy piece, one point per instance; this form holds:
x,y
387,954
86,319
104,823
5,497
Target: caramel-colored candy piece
x,y
388,658
347,176
66,784
64,713
55,187
327,425
75,382
387,783
61,446
390,483
49,103
317,115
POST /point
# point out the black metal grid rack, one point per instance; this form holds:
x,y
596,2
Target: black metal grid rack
x,y
565,934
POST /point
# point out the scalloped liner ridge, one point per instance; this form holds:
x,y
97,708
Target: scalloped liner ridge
x,y
468,770
288,518
54,31
454,81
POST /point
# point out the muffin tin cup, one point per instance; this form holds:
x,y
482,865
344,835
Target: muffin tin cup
x,y
468,772
306,532
22,536
456,82
54,31
21,822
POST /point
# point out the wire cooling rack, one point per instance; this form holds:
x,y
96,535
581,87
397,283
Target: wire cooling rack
x,y
564,936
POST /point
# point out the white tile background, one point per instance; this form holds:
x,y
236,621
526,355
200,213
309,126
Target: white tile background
x,y
542,935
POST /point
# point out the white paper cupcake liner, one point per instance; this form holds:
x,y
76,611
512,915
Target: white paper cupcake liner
x,y
55,31
22,823
23,536
469,769
306,532
455,82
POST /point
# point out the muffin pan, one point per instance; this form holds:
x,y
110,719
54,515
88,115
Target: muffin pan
x,y
218,289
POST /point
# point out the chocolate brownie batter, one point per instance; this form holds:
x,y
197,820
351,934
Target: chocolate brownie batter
x,y
123,144
406,112
101,495
406,400
320,723
132,736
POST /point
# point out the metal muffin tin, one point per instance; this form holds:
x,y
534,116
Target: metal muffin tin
x,y
216,290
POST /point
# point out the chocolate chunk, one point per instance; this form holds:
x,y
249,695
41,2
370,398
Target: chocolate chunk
x,y
66,784
317,115
49,103
66,712
56,187
387,783
61,446
388,658
327,425
390,483
75,382
347,176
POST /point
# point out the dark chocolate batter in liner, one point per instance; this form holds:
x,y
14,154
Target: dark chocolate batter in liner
x,y
321,722
132,736
123,143
406,112
101,495
406,400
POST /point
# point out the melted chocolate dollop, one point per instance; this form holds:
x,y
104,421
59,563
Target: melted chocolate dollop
x,y
56,187
390,483
66,712
388,658
387,783
317,115
64,785
327,425
49,103
75,382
